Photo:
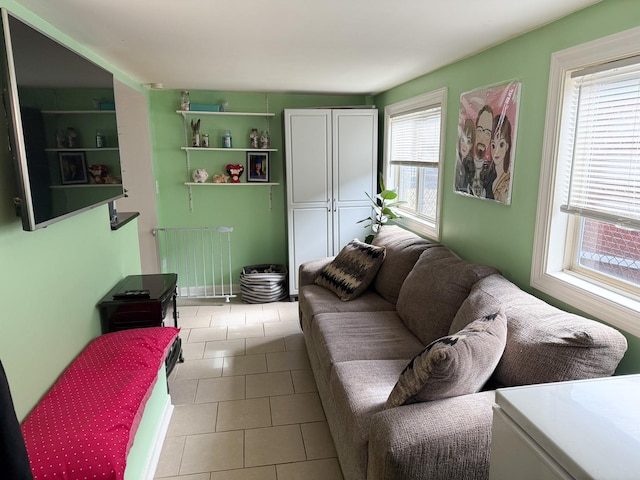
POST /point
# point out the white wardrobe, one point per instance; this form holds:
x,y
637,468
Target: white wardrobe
x,y
331,161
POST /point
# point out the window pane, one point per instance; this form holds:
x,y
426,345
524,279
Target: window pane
x,y
407,187
610,250
429,192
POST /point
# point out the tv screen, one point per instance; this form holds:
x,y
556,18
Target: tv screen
x,y
63,133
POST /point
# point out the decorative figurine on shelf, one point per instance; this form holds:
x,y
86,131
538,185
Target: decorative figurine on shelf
x,y
61,139
205,140
72,138
265,141
220,178
200,175
98,173
185,104
254,138
195,129
227,141
235,171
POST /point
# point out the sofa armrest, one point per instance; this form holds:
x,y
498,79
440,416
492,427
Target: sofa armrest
x,y
310,270
443,439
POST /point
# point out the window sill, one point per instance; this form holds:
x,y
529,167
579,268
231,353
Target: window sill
x,y
618,310
418,227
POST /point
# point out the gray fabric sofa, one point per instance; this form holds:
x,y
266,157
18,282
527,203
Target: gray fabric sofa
x,y
357,350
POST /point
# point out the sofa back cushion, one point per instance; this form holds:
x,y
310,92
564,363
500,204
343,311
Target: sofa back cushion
x,y
403,250
434,290
544,343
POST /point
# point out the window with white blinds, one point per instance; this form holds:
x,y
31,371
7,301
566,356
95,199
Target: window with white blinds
x,y
415,137
604,111
413,159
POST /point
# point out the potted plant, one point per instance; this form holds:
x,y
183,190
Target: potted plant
x,y
383,205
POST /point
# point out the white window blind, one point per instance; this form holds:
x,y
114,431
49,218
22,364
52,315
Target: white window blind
x,y
415,137
604,181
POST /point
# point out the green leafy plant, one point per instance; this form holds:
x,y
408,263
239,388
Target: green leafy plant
x,y
383,205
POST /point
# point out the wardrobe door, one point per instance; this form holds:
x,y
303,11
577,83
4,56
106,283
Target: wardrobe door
x,y
309,188
355,169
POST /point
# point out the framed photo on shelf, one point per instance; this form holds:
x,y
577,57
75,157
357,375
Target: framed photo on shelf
x,y
257,166
73,168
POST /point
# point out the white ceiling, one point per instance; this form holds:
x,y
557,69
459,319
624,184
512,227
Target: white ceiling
x,y
324,46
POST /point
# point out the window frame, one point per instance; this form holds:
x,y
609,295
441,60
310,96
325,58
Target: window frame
x,y
554,229
427,100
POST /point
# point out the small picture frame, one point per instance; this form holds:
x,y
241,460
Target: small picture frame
x,y
73,168
258,167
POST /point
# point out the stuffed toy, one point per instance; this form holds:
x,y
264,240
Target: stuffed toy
x,y
200,175
99,173
235,171
220,178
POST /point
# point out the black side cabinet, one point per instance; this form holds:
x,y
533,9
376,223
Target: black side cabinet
x,y
139,301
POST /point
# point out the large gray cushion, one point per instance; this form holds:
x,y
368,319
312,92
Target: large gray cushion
x,y
362,336
544,343
353,269
434,290
454,365
403,250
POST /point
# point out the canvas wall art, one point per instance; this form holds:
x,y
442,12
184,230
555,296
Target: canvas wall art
x,y
485,153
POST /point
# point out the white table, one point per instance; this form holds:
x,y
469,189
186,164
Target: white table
x,y
587,429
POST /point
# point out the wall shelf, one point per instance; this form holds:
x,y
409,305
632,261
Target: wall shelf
x,y
244,114
77,112
91,149
243,184
219,149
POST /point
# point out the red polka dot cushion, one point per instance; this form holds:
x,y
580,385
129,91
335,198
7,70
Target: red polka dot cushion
x,y
85,425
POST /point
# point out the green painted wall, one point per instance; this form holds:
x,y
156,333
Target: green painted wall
x,y
488,232
52,280
257,213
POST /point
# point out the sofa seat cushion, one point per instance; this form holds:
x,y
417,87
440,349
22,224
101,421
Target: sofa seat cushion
x,y
313,300
544,343
359,389
362,336
353,270
434,291
454,365
403,250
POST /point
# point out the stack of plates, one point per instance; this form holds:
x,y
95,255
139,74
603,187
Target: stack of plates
x,y
263,283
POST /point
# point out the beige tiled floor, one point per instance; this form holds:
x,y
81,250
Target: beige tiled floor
x,y
246,404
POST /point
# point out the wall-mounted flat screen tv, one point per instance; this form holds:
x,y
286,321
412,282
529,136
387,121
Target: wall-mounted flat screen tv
x,y
63,134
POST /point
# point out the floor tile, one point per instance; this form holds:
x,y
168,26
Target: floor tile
x,y
213,309
187,311
256,473
170,457
224,348
193,351
226,319
298,408
193,419
195,476
211,452
244,365
220,389
303,381
195,321
195,369
318,442
243,414
182,392
262,316
295,341
291,360
245,331
281,328
265,345
269,384
313,470
268,446
207,334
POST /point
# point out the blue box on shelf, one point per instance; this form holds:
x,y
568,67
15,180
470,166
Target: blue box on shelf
x,y
199,107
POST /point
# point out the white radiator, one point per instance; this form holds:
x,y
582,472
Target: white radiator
x,y
201,257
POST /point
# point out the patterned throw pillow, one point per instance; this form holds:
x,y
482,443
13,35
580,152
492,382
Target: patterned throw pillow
x,y
454,365
353,269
